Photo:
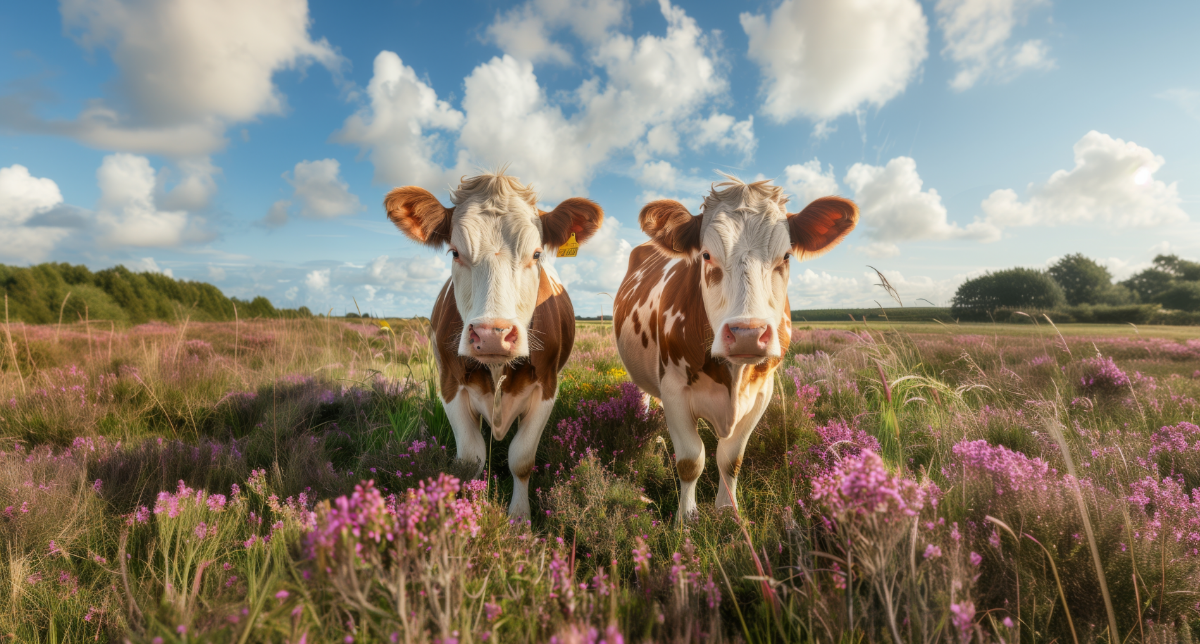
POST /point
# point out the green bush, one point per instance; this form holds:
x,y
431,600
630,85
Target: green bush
x,y
1183,296
1011,288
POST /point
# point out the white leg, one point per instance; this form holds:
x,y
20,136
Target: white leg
x,y
522,453
465,423
689,450
730,450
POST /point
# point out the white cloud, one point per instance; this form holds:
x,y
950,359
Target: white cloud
x,y
894,207
393,126
879,250
317,280
808,181
524,32
977,34
216,273
22,197
193,65
321,192
127,214
277,214
196,186
824,59
814,290
1186,99
148,265
1112,183
651,91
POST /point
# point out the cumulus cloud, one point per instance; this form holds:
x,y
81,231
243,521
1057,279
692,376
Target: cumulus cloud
x,y
810,289
895,208
127,214
190,67
148,265
1112,183
317,280
277,215
978,35
525,31
824,59
808,181
22,198
321,192
648,95
398,126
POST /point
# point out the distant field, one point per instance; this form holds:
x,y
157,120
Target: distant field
x,y
908,313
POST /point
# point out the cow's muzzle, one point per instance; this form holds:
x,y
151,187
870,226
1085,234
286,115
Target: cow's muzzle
x,y
492,341
747,340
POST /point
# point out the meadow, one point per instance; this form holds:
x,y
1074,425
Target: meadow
x,y
293,481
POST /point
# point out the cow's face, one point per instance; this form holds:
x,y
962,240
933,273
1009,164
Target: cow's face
x,y
744,240
497,238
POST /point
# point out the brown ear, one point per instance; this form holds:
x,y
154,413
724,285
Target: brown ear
x,y
671,227
822,225
576,215
419,215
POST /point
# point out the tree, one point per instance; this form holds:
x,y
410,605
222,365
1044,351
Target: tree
x,y
1183,296
1178,268
1082,280
1015,287
1149,284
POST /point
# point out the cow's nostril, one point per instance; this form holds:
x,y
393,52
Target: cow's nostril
x,y
766,335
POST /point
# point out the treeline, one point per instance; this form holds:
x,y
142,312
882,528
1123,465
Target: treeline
x,y
36,295
1078,289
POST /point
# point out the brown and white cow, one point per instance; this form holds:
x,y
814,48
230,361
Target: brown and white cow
x,y
519,323
725,269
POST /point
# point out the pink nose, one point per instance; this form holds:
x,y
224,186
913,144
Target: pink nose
x,y
493,338
748,337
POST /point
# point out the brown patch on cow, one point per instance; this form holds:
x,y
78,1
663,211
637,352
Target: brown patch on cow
x,y
713,276
733,468
821,225
645,340
689,469
671,227
553,326
576,215
637,323
523,471
419,215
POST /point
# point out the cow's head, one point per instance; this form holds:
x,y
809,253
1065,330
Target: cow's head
x,y
745,238
497,238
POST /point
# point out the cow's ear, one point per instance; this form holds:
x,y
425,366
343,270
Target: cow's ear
x,y
822,225
576,215
419,215
671,227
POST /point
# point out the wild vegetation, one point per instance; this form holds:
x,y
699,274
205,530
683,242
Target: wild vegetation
x,y
293,481
1077,289
54,292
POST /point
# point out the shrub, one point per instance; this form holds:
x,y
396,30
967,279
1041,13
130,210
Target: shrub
x,y
1082,279
1182,296
1015,287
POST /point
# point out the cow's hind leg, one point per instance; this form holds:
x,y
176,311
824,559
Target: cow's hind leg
x,y
465,423
731,449
522,453
689,451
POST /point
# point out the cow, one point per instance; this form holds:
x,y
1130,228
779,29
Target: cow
x,y
725,269
503,319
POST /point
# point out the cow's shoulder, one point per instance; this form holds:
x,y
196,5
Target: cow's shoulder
x,y
685,334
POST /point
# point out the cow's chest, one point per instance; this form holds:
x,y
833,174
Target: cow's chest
x,y
500,412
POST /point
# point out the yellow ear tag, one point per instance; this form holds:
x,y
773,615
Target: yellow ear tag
x,y
569,249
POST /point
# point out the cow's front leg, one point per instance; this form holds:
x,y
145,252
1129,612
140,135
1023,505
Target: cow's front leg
x,y
523,452
465,423
730,450
689,450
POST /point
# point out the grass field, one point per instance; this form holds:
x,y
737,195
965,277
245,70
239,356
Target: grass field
x,y
293,481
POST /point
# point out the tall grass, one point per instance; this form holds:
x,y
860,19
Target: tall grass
x,y
209,482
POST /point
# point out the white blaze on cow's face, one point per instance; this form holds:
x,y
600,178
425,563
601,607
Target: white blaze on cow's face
x,y
496,237
744,252
496,244
745,239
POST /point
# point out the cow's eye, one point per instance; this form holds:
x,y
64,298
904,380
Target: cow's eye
x,y
537,254
787,256
707,257
454,253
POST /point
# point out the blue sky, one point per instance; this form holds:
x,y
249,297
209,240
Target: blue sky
x,y
250,144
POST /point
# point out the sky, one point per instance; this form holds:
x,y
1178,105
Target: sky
x,y
250,144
